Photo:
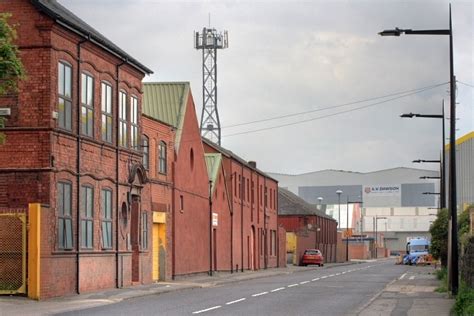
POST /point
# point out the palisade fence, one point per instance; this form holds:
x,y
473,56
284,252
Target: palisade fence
x,y
13,251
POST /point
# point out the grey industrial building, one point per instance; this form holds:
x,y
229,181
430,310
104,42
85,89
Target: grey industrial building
x,y
395,202
464,170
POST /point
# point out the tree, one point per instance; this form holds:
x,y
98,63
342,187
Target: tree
x,y
439,233
439,237
11,67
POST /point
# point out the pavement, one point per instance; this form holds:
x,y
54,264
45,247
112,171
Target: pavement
x,y
412,293
18,305
366,288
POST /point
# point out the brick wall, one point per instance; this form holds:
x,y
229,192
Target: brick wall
x,y
38,154
281,247
191,224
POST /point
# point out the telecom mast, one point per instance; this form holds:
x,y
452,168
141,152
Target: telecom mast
x,y
210,41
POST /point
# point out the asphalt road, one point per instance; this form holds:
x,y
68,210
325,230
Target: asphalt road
x,y
337,291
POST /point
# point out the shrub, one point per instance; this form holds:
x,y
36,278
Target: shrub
x,y
464,304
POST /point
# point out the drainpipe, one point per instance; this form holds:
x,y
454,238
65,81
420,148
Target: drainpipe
x,y
277,230
118,207
78,161
210,227
231,225
242,218
173,225
265,245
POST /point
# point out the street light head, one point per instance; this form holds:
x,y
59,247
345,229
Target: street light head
x,y
320,199
407,115
339,192
395,32
417,161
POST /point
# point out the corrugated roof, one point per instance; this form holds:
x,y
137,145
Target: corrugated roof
x,y
291,204
166,102
213,163
68,19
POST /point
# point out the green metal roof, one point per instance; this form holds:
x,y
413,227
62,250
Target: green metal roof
x,y
166,102
213,163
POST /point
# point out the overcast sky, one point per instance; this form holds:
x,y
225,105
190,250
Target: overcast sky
x,y
287,57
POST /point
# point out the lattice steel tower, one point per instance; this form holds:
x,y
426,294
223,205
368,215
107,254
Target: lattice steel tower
x,y
210,41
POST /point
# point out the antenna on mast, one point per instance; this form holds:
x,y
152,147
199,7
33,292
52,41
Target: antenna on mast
x,y
209,41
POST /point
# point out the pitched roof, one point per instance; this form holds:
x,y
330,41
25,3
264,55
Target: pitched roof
x,y
291,204
213,163
166,102
231,154
66,18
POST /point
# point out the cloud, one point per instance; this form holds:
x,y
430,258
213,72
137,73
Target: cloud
x,y
286,57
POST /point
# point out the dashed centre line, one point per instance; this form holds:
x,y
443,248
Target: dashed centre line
x,y
207,309
236,301
289,286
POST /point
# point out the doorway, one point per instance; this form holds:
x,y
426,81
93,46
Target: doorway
x,y
134,238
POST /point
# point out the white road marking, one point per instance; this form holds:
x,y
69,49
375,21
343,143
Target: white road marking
x,y
412,277
331,275
344,272
323,277
291,285
402,276
279,289
259,294
207,309
338,274
304,282
236,301
315,279
168,285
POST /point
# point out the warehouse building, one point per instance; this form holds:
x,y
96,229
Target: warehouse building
x,y
392,205
464,168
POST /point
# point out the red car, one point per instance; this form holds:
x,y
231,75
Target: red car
x,y
312,256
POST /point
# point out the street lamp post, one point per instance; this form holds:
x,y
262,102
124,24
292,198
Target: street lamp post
x,y
442,194
452,140
442,165
339,192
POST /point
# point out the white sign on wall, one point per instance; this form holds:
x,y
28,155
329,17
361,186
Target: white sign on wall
x,y
214,219
382,190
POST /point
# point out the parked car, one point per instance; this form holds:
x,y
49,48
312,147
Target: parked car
x,y
312,256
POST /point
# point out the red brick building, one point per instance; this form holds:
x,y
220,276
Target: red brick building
x,y
306,226
220,214
253,211
73,145
188,225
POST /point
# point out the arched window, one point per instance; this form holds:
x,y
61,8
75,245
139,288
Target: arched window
x,y
162,161
146,152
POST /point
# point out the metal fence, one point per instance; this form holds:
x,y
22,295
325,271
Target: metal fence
x,y
12,253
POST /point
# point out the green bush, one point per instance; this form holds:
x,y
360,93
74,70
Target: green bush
x,y
464,304
442,275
